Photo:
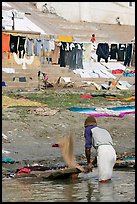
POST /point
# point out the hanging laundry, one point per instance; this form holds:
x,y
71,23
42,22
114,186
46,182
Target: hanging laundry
x,y
62,54
87,51
62,38
72,64
21,46
121,52
56,53
79,55
133,56
102,51
113,51
37,47
13,43
30,46
128,55
6,43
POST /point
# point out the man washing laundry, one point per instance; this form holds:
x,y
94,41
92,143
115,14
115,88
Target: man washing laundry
x,y
101,140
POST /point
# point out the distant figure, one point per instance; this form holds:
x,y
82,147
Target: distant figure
x,y
39,72
40,79
93,38
118,20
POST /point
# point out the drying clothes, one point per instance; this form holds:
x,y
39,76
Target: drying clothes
x,y
21,46
87,96
19,79
62,54
65,38
117,71
121,52
102,51
13,43
23,170
113,51
8,160
72,64
98,112
128,73
56,53
51,45
128,55
132,72
67,57
29,46
103,95
132,98
87,52
6,43
43,59
22,79
79,56
133,56
37,47
76,56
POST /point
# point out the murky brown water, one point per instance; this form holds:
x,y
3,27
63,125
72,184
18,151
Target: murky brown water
x,y
85,189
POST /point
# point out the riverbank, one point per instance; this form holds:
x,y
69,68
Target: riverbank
x,y
30,133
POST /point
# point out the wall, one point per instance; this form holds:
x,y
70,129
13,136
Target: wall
x,y
98,12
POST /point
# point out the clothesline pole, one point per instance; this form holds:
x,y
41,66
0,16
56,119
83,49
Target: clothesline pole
x,y
118,79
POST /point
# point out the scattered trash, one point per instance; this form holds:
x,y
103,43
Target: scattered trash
x,y
5,152
43,111
55,145
3,83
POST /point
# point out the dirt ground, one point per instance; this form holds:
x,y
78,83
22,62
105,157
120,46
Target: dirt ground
x,y
30,138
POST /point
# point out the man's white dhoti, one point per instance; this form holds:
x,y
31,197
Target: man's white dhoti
x,y
106,158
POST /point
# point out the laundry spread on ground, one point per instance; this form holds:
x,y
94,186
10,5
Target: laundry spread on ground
x,y
132,98
94,70
98,112
9,102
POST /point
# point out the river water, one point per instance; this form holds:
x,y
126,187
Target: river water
x,y
85,188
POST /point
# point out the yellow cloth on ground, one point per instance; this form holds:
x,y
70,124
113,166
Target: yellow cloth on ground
x,y
8,102
65,38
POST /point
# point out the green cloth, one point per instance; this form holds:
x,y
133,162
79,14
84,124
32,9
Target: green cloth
x,y
7,160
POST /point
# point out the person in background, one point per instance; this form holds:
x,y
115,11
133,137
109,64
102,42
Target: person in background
x,y
45,79
101,140
93,38
38,74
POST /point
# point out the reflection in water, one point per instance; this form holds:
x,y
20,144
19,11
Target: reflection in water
x,y
85,189
106,192
89,192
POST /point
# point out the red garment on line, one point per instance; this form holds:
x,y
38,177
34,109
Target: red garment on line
x,y
6,43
